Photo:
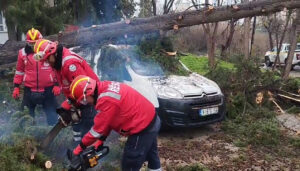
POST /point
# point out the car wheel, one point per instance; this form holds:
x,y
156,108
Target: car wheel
x,y
292,67
268,62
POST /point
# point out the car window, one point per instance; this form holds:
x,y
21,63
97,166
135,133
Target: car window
x,y
146,68
287,48
298,47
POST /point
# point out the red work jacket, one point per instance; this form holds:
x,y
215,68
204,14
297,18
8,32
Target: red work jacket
x,y
35,74
122,109
73,65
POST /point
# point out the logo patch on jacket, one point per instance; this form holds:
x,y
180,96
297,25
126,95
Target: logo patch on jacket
x,y
46,64
65,82
114,86
72,68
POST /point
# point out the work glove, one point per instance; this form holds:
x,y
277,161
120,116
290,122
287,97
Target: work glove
x,y
98,145
75,162
56,90
66,105
77,150
16,93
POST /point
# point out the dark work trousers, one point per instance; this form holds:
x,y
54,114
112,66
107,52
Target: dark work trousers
x,y
142,147
46,99
88,113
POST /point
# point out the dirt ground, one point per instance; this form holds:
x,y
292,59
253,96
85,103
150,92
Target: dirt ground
x,y
212,148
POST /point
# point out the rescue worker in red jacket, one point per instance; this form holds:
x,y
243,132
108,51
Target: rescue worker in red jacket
x,y
39,80
67,66
125,111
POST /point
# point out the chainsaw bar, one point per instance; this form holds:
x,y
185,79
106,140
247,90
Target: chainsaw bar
x,y
52,134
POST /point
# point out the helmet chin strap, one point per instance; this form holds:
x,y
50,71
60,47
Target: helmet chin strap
x,y
84,89
95,95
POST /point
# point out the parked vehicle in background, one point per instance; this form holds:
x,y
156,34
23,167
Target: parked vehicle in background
x,y
270,56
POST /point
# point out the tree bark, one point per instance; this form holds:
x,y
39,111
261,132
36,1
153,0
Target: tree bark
x,y
105,32
154,7
247,25
252,35
279,46
270,40
294,38
224,49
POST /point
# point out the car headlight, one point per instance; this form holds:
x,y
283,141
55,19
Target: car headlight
x,y
168,93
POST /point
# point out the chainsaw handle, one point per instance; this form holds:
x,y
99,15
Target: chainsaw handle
x,y
102,152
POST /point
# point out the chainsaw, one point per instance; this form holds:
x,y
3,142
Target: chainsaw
x,y
67,117
89,158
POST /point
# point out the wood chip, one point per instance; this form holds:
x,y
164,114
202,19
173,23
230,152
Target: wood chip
x,y
32,157
235,7
127,21
171,53
175,27
48,164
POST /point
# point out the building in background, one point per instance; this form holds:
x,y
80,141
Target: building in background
x,y
3,29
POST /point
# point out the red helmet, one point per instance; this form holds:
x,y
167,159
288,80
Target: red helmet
x,y
33,35
81,87
44,48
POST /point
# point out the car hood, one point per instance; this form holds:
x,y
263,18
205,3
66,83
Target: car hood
x,y
188,86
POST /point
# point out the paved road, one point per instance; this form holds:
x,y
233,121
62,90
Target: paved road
x,y
295,72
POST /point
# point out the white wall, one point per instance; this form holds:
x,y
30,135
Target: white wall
x,y
3,37
3,34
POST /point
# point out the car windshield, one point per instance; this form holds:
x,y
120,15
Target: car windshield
x,y
146,68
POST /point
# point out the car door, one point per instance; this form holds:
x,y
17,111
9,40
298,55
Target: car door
x,y
283,53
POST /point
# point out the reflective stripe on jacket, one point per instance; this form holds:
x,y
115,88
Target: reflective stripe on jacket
x,y
122,109
73,65
35,75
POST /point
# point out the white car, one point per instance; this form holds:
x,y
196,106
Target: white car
x,y
181,101
270,56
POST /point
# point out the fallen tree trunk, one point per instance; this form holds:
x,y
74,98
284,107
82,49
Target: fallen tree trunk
x,y
101,33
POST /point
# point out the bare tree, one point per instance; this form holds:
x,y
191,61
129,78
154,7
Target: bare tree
x,y
168,4
210,30
277,35
268,23
225,47
293,42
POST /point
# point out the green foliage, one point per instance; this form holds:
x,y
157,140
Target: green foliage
x,y
16,157
108,11
292,84
295,142
257,127
193,167
38,14
154,49
200,64
293,110
145,8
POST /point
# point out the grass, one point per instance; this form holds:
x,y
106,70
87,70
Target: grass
x,y
192,167
199,64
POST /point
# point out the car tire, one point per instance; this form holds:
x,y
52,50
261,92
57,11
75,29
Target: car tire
x,y
293,67
268,61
